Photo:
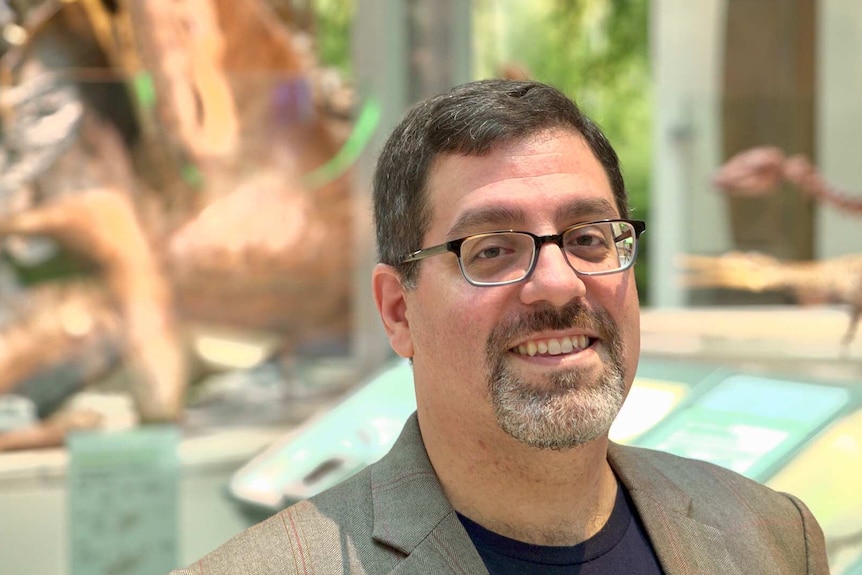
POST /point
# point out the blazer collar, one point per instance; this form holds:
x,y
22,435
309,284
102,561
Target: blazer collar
x,y
684,545
412,514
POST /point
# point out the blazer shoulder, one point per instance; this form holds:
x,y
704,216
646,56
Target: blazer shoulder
x,y
759,525
712,488
323,533
685,470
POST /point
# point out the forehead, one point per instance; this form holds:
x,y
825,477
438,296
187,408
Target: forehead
x,y
549,179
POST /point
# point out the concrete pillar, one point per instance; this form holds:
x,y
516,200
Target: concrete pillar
x,y
403,51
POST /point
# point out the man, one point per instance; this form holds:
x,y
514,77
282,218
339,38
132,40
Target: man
x,y
506,278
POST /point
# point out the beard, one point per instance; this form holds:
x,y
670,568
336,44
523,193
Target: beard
x,y
571,407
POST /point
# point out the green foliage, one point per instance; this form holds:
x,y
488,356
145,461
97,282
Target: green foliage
x,y
597,52
64,265
334,19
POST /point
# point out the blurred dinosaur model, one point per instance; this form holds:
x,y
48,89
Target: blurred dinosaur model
x,y
836,280
757,172
166,143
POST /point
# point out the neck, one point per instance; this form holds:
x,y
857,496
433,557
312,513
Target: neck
x,y
539,496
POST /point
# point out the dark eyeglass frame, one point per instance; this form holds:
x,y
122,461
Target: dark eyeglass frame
x,y
454,246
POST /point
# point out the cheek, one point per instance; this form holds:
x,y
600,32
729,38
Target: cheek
x,y
450,329
626,311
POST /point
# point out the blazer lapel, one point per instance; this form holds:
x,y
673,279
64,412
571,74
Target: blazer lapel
x,y
412,514
684,545
447,549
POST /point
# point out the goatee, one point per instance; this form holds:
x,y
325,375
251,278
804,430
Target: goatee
x,y
571,407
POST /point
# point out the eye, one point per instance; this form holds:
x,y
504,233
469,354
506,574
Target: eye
x,y
490,247
494,248
591,237
588,240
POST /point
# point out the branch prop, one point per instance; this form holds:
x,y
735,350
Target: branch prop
x,y
799,171
758,171
181,44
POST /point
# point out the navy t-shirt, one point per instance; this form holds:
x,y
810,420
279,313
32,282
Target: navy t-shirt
x,y
621,547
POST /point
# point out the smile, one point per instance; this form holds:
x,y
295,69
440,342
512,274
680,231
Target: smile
x,y
553,346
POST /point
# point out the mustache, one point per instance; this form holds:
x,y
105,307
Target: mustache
x,y
550,318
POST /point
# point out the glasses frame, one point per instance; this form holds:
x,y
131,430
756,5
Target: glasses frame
x,y
454,246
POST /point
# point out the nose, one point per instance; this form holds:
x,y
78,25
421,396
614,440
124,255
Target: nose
x,y
553,280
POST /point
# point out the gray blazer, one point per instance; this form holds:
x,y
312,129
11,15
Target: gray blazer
x,y
393,518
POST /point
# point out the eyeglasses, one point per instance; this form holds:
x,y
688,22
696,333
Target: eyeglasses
x,y
506,257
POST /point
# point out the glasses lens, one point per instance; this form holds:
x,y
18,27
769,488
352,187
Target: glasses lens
x,y
497,258
601,247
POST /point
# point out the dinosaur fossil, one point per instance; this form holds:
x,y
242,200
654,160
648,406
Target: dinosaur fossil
x,y
836,280
756,172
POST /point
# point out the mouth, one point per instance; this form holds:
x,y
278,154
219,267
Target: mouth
x,y
553,346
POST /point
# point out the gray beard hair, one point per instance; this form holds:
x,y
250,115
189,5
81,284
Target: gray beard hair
x,y
567,410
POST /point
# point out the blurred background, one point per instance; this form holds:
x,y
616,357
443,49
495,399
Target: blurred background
x,y
188,341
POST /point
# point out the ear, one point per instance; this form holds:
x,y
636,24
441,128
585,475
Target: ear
x,y
392,306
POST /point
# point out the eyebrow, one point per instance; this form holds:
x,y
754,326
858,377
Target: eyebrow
x,y
587,208
498,216
502,217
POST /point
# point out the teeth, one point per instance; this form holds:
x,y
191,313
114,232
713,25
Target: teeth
x,y
554,346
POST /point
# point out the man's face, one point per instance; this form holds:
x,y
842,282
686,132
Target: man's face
x,y
548,360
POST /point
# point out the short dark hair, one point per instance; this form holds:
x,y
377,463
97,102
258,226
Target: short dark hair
x,y
470,119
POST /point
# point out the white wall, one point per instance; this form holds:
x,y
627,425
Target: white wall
x,y
839,121
687,214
